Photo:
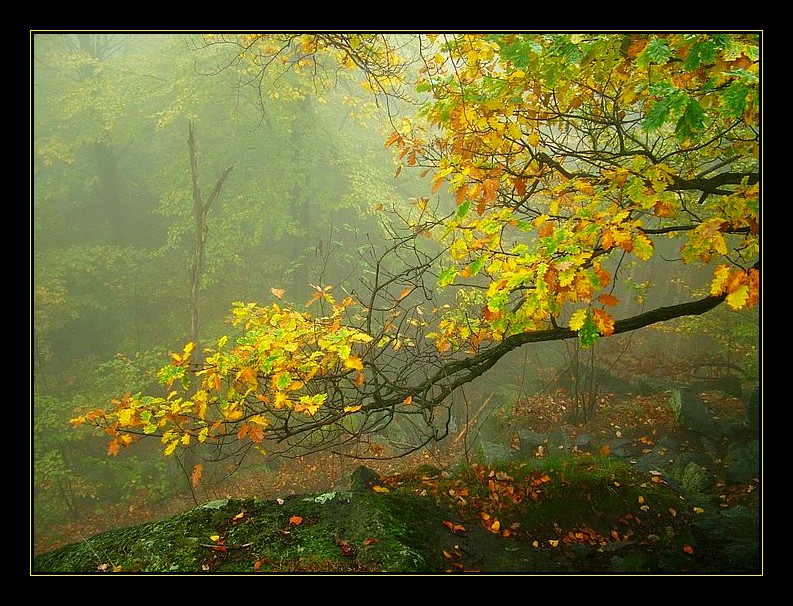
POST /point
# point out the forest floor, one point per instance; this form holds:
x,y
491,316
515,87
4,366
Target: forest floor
x,y
645,419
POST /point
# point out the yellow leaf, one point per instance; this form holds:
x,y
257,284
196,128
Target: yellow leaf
x,y
354,362
553,542
641,499
720,278
577,319
214,537
381,489
737,298
355,408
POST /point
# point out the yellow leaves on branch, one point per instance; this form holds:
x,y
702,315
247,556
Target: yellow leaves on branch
x,y
280,351
742,287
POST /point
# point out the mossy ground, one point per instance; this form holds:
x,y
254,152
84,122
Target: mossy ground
x,y
571,516
583,514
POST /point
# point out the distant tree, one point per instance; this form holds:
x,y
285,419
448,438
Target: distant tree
x,y
569,160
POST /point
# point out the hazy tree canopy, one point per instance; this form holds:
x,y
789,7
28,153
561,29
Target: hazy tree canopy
x,y
558,168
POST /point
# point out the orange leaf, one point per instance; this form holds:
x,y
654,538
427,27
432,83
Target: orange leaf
x,y
546,230
688,549
390,141
406,292
408,400
454,527
604,322
295,520
607,299
369,541
195,478
460,194
489,315
278,292
255,433
605,450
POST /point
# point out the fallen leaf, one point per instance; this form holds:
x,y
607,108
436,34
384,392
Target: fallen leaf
x,y
688,549
295,520
370,541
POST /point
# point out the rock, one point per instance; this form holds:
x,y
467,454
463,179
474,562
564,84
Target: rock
x,y
743,462
363,479
690,412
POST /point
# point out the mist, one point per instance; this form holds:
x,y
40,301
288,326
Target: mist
x,y
170,180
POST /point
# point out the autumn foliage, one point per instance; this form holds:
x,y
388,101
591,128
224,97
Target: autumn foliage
x,y
556,160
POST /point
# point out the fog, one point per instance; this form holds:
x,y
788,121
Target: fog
x,y
300,194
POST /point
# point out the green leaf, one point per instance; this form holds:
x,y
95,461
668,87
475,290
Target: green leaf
x,y
447,276
284,380
463,209
589,334
423,86
657,51
734,99
477,265
702,51
691,122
